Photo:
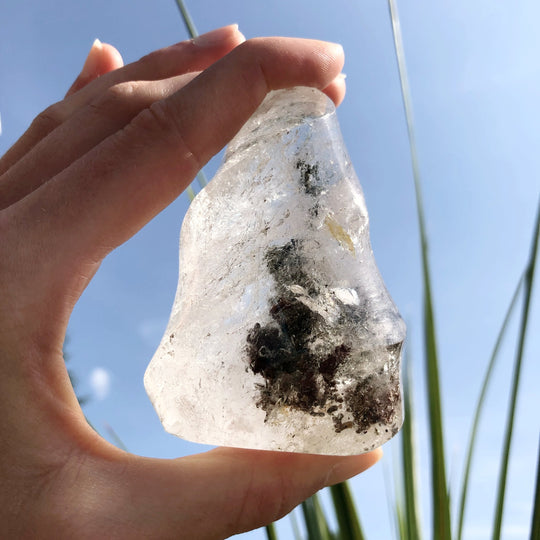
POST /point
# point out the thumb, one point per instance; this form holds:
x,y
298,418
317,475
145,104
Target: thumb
x,y
227,490
101,59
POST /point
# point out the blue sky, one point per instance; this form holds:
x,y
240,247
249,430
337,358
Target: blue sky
x,y
474,76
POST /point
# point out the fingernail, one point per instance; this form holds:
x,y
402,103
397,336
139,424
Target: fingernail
x,y
92,60
215,37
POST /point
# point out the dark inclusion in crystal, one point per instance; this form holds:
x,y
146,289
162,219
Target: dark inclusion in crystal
x,y
297,377
310,178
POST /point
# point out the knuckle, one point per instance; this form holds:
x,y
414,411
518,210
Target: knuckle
x,y
156,122
256,50
122,91
116,97
121,103
157,125
164,118
251,55
49,119
159,119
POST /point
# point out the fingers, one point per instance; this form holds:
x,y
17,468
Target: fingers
x,y
28,168
184,57
101,59
109,113
135,173
68,142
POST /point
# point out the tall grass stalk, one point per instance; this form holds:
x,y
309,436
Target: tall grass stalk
x,y
115,437
315,520
271,532
535,526
441,503
394,497
408,460
186,17
529,278
400,518
347,518
192,31
190,193
479,408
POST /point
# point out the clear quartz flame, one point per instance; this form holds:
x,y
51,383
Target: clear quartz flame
x,y
282,335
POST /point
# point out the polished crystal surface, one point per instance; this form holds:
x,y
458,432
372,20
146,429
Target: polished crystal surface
x,y
282,335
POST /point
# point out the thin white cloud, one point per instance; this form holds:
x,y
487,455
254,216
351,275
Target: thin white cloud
x,y
100,382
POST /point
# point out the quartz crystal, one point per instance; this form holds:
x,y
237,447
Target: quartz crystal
x,y
282,335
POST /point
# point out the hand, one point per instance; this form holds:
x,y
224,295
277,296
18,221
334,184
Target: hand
x,y
87,175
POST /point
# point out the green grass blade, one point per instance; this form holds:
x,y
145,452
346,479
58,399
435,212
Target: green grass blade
x,y
190,193
347,517
316,524
441,503
115,437
535,527
186,17
271,532
311,520
408,459
529,278
325,527
479,408
192,31
400,519
394,498
201,178
396,505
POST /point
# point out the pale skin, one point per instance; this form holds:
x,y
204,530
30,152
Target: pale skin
x,y
87,175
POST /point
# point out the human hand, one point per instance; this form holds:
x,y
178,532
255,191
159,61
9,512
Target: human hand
x,y
87,175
